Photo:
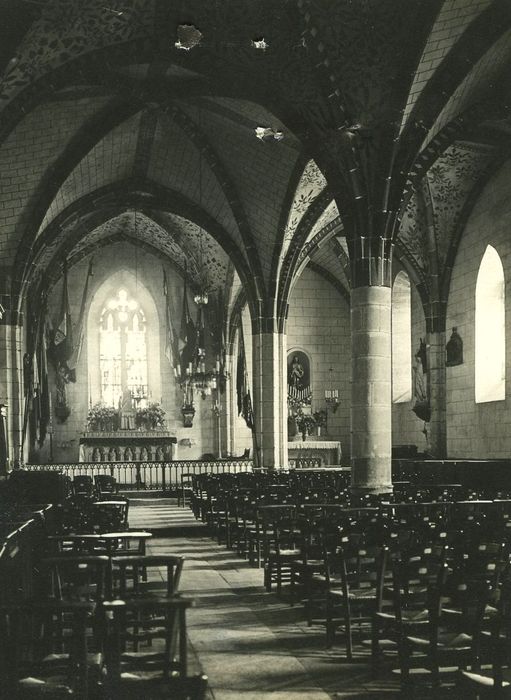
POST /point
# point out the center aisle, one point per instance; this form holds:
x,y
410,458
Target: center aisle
x,y
250,643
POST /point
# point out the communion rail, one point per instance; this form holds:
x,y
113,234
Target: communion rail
x,y
147,475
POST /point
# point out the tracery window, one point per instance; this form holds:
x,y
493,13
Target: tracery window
x,y
401,339
490,329
123,349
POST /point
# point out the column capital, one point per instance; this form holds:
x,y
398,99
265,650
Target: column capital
x,y
371,262
262,325
9,314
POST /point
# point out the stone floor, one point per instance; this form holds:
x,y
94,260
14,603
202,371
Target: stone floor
x,y
251,644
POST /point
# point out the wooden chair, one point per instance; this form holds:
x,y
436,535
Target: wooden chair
x,y
457,619
185,489
106,486
131,574
404,606
348,590
281,538
83,577
110,516
83,486
45,651
494,679
160,670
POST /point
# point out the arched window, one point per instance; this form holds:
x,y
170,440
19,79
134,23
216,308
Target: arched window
x,y
490,330
122,349
401,339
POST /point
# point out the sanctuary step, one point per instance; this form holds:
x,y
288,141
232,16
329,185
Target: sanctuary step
x,y
162,516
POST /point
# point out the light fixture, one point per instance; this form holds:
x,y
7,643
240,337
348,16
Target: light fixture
x,y
332,396
197,376
260,44
266,133
188,37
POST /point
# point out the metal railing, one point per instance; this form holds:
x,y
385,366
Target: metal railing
x,y
146,475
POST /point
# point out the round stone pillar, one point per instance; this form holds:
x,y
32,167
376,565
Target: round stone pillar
x,y
269,433
371,373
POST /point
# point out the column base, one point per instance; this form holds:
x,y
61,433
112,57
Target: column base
x,y
372,490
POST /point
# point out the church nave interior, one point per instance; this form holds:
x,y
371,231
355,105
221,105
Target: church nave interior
x,y
254,280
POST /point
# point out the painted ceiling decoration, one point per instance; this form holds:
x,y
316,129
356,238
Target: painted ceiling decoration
x,y
393,113
311,184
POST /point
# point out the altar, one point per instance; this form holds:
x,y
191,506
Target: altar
x,y
314,453
127,446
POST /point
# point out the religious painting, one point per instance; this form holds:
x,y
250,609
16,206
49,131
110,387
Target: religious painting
x,y
298,378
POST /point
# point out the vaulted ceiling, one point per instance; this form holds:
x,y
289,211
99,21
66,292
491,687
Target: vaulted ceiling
x,y
114,127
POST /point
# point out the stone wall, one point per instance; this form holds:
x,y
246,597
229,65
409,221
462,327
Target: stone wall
x,y
142,274
483,429
319,324
406,427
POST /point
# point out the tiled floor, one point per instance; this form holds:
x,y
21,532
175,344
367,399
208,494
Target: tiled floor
x,y
250,644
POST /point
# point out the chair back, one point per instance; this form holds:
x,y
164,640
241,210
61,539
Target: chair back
x,y
83,485
134,574
132,623
105,484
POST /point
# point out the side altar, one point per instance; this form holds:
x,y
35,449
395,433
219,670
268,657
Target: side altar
x,y
314,453
127,446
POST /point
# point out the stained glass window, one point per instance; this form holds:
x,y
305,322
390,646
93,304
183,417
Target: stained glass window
x,y
123,350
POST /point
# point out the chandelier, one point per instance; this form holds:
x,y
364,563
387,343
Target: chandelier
x,y
200,375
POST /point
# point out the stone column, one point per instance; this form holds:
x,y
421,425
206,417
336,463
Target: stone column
x,y
266,399
282,360
371,372
11,387
437,428
229,407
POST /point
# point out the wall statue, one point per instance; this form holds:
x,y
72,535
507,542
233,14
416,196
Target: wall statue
x,y
454,349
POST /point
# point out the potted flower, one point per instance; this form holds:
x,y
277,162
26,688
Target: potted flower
x,y
101,417
305,423
320,418
151,417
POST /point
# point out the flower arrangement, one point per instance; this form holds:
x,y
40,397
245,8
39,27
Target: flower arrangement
x,y
305,423
320,418
102,417
151,416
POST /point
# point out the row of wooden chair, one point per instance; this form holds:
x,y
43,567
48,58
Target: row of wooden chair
x,y
53,649
425,585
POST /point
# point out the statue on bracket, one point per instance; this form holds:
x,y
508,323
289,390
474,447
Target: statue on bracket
x,y
454,349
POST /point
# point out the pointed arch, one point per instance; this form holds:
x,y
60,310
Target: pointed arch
x,y
401,338
112,363
490,329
